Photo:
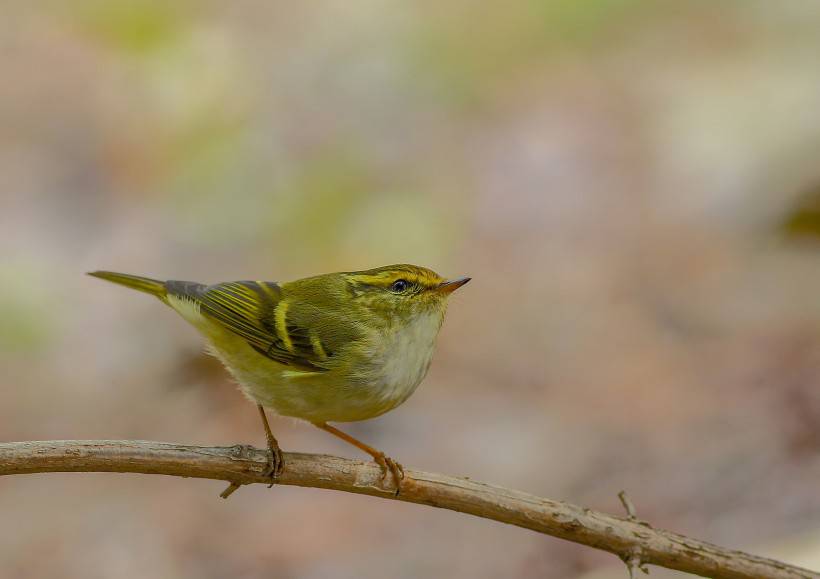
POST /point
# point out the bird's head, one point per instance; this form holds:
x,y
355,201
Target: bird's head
x,y
402,291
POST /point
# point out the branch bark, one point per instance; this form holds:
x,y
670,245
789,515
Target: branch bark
x,y
625,538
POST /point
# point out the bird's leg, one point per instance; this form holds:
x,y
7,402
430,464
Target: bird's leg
x,y
385,462
276,461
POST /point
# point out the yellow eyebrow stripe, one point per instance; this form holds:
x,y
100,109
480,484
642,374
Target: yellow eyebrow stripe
x,y
280,321
385,279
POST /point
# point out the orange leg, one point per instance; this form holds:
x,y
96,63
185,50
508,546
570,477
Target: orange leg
x,y
276,458
385,462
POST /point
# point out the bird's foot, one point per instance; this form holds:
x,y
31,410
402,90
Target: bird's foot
x,y
276,462
387,464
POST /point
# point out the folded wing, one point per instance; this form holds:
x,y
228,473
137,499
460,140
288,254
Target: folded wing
x,y
258,312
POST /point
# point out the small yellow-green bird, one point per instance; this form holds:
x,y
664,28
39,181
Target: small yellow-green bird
x,y
338,347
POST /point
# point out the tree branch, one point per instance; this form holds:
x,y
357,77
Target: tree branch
x,y
244,465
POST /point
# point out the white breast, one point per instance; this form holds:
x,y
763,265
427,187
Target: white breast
x,y
405,356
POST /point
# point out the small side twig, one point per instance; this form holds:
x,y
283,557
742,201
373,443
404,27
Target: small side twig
x,y
632,559
232,488
628,506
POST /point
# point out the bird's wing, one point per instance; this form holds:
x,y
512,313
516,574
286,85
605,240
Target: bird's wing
x,y
258,312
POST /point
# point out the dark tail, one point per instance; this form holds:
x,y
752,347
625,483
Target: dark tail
x,y
143,284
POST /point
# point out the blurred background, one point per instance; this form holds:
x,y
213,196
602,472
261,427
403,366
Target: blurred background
x,y
634,187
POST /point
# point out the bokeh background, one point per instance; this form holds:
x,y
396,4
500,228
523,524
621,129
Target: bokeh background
x,y
634,187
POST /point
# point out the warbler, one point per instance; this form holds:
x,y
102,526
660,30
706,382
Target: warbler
x,y
338,347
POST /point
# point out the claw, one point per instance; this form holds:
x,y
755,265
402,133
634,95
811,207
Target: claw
x,y
385,462
388,464
276,462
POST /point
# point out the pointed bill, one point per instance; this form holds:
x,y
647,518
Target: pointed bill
x,y
452,285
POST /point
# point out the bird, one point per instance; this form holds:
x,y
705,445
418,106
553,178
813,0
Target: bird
x,y
336,347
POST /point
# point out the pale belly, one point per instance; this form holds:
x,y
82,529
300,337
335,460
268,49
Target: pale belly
x,y
383,373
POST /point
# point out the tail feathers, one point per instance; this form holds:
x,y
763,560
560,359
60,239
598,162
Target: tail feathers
x,y
143,284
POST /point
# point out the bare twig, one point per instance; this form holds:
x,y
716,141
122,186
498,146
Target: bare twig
x,y
566,521
231,489
628,506
634,559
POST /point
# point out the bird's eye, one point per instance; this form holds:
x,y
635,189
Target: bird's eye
x,y
400,286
